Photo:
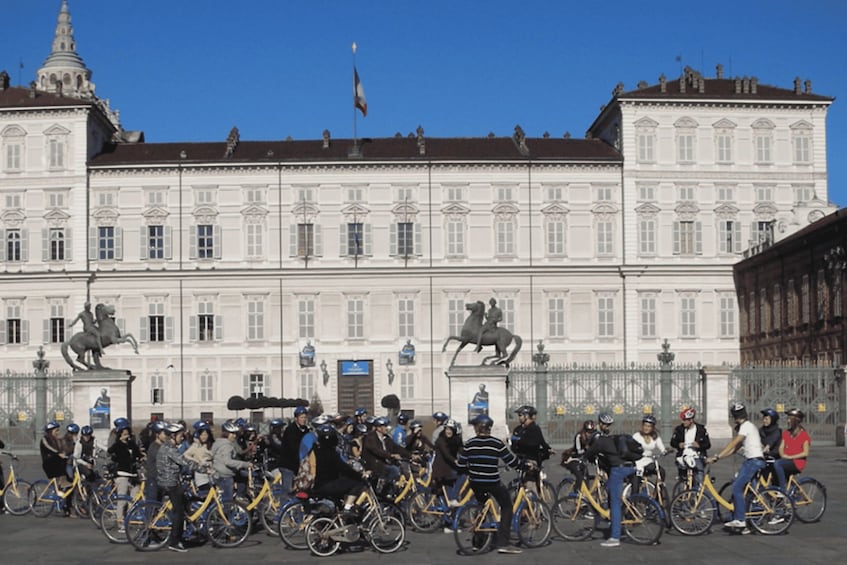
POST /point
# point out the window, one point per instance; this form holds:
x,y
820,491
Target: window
x,y
255,243
646,141
305,385
729,236
455,238
254,196
56,323
822,295
605,316
804,193
805,300
356,194
764,312
156,322
685,147
205,241
405,239
686,193
762,142
687,238
777,307
726,193
207,387
762,232
791,299
305,195
55,154
556,316
306,317
205,321
155,242
204,197
836,295
355,318
647,236
688,316
604,194
505,233
155,198
455,315
648,316
456,194
305,240
555,193
507,305
646,193
723,141
405,195
727,316
406,317
764,193
802,148
14,200
605,238
407,385
15,328
255,319
355,239
14,245
106,242
255,385
106,199
504,194
555,238
157,389
13,156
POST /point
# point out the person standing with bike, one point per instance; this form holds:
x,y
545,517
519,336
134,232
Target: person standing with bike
x,y
479,459
748,441
794,448
125,453
225,461
653,446
691,440
572,458
169,463
528,443
606,448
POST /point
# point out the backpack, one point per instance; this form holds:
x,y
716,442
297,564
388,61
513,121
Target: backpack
x,y
628,448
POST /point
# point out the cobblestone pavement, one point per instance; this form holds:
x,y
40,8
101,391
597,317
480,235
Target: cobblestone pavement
x,y
67,541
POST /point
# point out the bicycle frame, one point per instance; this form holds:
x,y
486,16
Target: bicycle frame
x,y
708,488
11,480
490,509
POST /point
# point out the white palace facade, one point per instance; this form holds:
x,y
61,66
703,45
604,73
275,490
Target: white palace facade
x,y
226,259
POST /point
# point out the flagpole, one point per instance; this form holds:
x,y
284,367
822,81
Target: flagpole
x,y
355,140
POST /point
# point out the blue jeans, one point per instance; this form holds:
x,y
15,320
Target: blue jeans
x,y
225,486
287,479
614,486
748,470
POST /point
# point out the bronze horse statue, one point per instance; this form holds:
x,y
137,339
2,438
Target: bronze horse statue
x,y
500,338
83,342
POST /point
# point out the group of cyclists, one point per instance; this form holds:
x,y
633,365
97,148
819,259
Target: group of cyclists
x,y
334,455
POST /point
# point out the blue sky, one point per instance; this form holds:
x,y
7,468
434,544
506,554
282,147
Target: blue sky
x,y
189,70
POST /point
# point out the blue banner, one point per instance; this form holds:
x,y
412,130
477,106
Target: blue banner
x,y
355,368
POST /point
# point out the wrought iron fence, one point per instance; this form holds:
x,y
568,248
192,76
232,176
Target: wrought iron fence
x,y
19,405
817,391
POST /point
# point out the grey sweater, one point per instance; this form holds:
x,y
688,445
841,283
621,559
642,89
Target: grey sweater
x,y
224,462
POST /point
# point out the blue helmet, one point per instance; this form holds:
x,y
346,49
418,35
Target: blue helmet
x,y
51,425
440,416
483,421
230,427
121,423
360,411
606,418
300,410
403,419
200,424
241,422
158,426
87,430
73,428
277,423
772,413
649,419
381,421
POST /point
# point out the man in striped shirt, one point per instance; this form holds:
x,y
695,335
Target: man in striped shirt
x,y
479,459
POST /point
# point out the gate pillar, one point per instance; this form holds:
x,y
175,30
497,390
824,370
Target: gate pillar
x,y
100,396
717,402
479,389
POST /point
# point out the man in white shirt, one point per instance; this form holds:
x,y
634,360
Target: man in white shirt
x,y
747,440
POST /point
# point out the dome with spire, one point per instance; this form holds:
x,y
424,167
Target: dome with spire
x,y
64,72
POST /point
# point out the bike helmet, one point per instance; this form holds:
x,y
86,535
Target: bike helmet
x,y
230,427
415,425
795,413
73,428
588,426
361,429
338,419
606,418
199,424
327,435
300,410
381,421
370,420
483,421
772,413
451,423
360,412
172,428
402,419
87,430
649,420
320,420
440,417
527,410
241,422
687,414
277,423
51,425
158,426
738,410
121,423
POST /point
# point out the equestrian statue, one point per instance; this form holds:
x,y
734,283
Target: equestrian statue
x,y
484,332
99,331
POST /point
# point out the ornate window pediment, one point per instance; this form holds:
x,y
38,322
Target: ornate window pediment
x,y
726,212
56,129
647,210
305,212
57,218
205,214
765,211
555,211
687,211
355,211
13,131
646,123
763,123
254,211
455,211
801,125
155,215
685,122
404,211
724,124
604,209
105,216
505,211
13,218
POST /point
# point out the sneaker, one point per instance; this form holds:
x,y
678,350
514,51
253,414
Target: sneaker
x,y
734,524
745,531
179,548
776,520
611,542
121,530
509,549
453,504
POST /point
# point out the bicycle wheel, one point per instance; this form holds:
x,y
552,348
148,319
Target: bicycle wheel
x,y
42,498
725,492
691,513
148,525
573,518
424,513
16,498
80,500
387,535
809,498
534,523
269,512
770,511
471,534
110,526
317,536
564,488
292,526
642,519
228,525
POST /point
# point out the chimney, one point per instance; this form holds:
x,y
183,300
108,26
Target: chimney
x,y
32,86
719,71
745,85
618,89
682,80
642,84
807,86
325,139
663,83
421,141
738,85
4,81
546,135
796,85
754,85
567,135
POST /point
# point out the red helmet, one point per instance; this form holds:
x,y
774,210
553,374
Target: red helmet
x,y
687,414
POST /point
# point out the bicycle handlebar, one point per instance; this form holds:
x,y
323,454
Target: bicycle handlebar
x,y
10,454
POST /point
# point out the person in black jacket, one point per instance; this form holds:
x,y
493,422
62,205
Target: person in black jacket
x,y
528,443
619,470
290,453
335,479
444,469
692,443
770,433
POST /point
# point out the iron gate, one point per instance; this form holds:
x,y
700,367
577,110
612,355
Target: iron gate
x,y
19,405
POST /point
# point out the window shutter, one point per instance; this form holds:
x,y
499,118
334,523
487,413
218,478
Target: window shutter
x,y
192,328
319,241
169,238
24,245
736,236
367,248
266,385
342,240
676,238
143,330
292,240
418,240
2,331
45,331
246,385
217,243
143,249
119,244
192,242
68,245
219,328
169,328
45,249
392,240
2,246
92,244
698,238
24,332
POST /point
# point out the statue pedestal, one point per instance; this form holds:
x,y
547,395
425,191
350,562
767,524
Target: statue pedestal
x,y
100,396
465,381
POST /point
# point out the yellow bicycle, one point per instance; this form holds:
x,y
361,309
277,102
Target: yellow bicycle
x,y
15,492
46,496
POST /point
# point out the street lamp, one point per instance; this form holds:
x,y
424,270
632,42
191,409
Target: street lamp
x,y
324,371
390,366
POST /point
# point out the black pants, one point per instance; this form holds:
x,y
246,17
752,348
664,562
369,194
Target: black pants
x,y
501,495
176,495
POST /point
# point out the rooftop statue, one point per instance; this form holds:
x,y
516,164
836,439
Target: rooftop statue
x,y
483,335
99,331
